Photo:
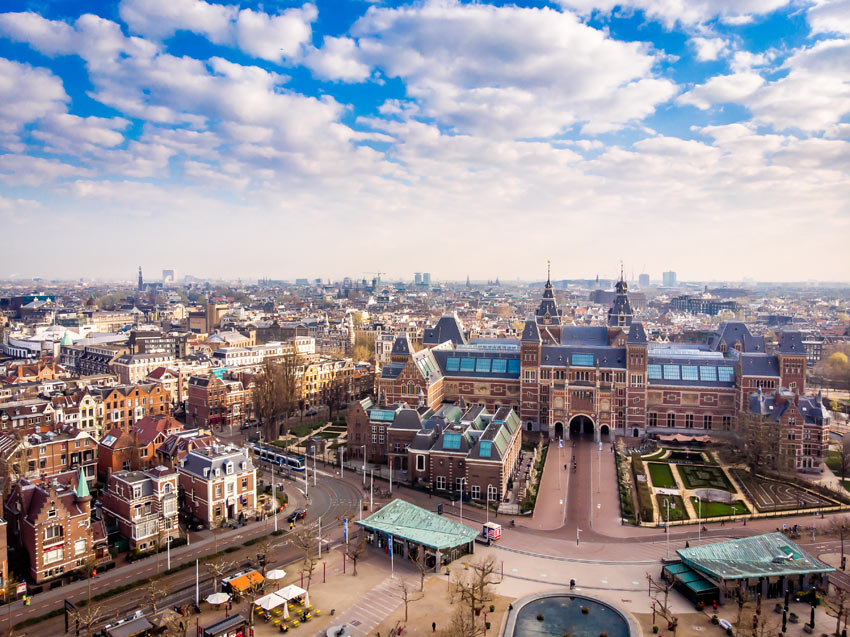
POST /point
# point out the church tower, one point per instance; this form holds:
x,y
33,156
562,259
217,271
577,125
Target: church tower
x,y
141,281
620,313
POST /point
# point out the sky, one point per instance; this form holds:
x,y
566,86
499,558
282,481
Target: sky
x,y
341,138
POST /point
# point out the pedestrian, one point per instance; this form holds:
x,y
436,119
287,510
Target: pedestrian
x,y
291,526
433,627
572,584
687,544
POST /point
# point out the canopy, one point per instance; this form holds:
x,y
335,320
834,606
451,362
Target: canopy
x,y
292,591
245,582
218,598
276,574
272,600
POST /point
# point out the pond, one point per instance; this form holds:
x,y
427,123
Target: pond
x,y
686,456
562,615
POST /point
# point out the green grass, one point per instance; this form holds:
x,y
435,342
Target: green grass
x,y
662,475
328,434
303,430
655,455
704,477
677,508
718,509
833,461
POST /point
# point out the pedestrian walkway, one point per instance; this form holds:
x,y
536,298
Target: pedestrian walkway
x,y
373,607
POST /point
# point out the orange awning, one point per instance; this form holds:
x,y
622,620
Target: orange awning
x,y
245,582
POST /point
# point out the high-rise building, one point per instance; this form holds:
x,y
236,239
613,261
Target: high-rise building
x,y
643,281
141,280
169,276
426,278
417,278
669,279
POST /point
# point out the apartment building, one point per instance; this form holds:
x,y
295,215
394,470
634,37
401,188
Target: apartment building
x,y
133,368
26,415
39,455
123,405
130,450
144,505
215,401
217,484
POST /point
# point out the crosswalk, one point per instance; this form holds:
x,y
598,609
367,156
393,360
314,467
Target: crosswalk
x,y
373,608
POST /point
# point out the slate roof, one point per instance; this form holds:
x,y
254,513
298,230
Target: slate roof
x,y
392,370
637,335
548,305
752,557
791,342
402,345
561,355
736,332
759,365
810,409
407,419
530,333
405,520
620,307
196,461
448,328
583,335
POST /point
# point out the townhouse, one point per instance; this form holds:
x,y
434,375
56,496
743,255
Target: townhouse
x,y
144,506
217,484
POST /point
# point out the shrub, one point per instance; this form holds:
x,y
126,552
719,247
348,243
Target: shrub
x,y
655,629
492,608
643,492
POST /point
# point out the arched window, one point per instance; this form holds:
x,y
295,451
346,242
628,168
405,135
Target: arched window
x,y
410,388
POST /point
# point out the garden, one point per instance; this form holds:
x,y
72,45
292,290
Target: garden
x,y
661,475
706,509
704,477
677,508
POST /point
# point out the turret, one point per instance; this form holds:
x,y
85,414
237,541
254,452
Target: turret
x,y
82,496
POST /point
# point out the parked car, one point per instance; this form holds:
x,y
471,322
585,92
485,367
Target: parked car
x,y
296,515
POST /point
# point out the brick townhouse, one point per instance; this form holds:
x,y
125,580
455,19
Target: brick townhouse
x,y
123,405
143,504
46,454
217,484
51,520
215,401
121,450
26,415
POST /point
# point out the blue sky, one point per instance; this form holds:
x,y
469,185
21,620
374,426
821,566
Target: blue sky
x,y
329,139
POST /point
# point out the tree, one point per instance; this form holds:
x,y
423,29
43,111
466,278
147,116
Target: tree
x,y
659,593
218,568
838,603
407,596
354,550
462,625
276,394
420,564
476,591
364,346
89,617
336,391
307,543
264,549
154,592
844,456
176,625
840,526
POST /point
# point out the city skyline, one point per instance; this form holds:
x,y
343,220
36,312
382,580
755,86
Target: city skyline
x,y
278,139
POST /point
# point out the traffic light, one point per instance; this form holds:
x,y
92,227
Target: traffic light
x,y
439,509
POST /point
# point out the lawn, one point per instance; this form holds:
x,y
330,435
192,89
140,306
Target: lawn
x,y
662,475
833,461
655,455
719,509
302,430
704,477
328,434
677,508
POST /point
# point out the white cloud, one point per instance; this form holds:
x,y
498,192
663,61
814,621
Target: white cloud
x,y
25,170
709,48
511,72
26,93
721,89
743,61
70,134
337,60
269,37
686,12
829,16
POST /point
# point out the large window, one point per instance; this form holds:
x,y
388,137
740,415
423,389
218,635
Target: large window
x,y
500,365
467,364
582,360
441,483
671,372
53,533
492,493
671,419
726,374
653,372
689,421
653,419
482,365
452,364
690,372
707,373
475,492
54,555
420,463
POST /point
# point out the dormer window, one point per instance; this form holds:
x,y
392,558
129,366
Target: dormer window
x,y
51,513
228,468
217,472
206,472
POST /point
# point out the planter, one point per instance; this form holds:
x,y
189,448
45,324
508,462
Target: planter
x,y
777,608
655,630
492,608
714,619
487,625
793,618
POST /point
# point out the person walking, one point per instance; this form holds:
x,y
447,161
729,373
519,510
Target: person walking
x,y
433,627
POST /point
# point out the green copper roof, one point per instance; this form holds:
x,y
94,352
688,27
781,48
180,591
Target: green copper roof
x,y
405,520
66,339
82,490
769,555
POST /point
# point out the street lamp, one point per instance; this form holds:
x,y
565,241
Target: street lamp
x,y
699,515
667,504
363,447
460,482
488,503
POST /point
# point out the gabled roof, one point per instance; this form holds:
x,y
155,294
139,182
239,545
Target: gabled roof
x,y
405,520
768,555
402,345
759,365
530,333
734,332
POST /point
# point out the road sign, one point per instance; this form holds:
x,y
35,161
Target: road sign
x,y
345,529
22,588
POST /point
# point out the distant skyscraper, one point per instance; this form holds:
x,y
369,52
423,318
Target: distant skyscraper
x,y
168,276
426,278
417,278
141,281
669,279
643,281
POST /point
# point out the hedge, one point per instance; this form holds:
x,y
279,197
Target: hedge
x,y
627,507
644,495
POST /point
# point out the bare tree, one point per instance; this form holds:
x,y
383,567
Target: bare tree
x,y
89,617
154,592
264,549
476,591
218,568
659,592
462,625
307,543
838,603
840,526
421,566
844,456
336,391
354,550
276,394
176,625
406,594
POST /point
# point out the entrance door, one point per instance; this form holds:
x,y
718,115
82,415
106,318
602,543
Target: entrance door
x,y
559,430
581,426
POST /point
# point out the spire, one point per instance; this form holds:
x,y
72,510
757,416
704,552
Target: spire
x,y
82,490
141,281
548,272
